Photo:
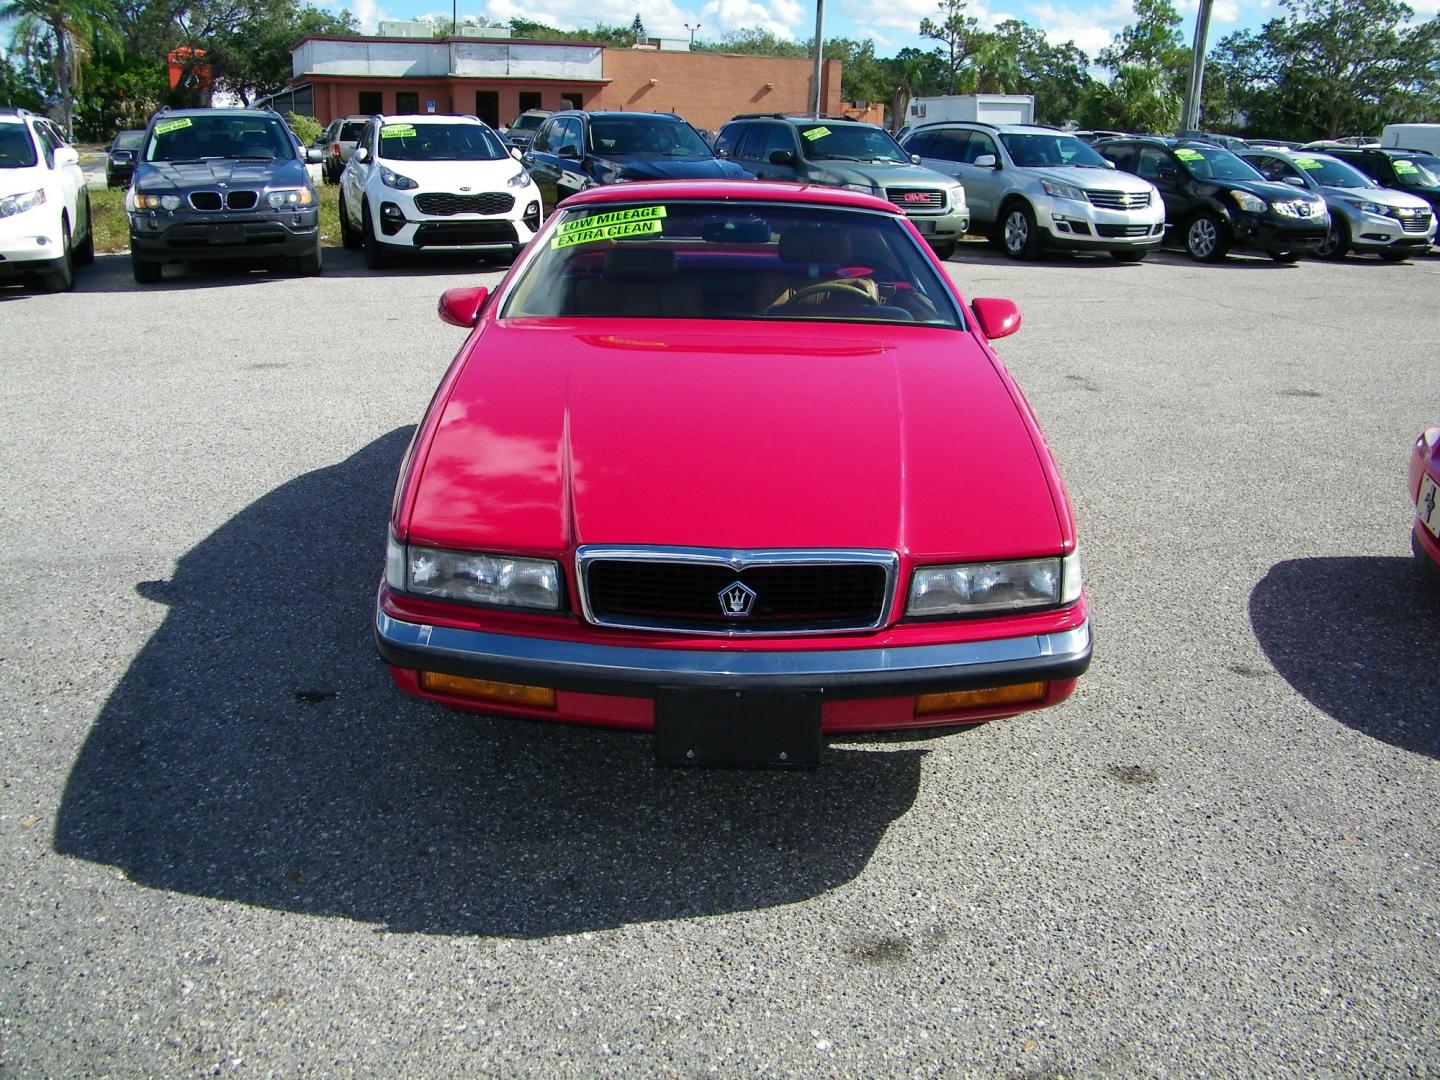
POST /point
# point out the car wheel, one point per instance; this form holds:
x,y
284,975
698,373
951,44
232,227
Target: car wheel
x,y
376,257
63,279
1394,256
1205,238
85,253
1285,256
1019,232
309,265
944,251
1336,242
349,238
1128,256
144,271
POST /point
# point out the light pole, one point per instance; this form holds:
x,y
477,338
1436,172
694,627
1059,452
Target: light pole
x,y
819,53
1190,113
692,30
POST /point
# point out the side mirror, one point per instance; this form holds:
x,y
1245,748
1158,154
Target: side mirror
x,y
782,157
987,161
515,153
67,155
1294,181
461,307
314,155
1108,163
568,152
361,154
997,318
914,159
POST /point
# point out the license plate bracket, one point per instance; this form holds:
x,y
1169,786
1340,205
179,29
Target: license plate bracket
x,y
227,234
767,729
1427,507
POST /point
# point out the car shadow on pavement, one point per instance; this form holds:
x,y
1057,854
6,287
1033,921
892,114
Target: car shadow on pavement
x,y
1356,638
256,751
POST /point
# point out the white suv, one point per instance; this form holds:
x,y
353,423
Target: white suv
x,y
44,205
434,183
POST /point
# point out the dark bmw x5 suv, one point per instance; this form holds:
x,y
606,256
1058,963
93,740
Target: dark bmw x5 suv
x,y
221,184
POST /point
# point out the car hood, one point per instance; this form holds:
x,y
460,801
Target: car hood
x,y
166,175
1094,179
1270,192
1400,200
657,167
452,175
17,181
883,176
560,432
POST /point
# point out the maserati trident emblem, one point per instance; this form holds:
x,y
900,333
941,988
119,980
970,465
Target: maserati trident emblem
x,y
736,600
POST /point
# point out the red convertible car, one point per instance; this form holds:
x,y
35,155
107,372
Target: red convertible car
x,y
734,463
1425,494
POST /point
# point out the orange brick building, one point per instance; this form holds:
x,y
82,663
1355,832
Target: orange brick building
x,y
497,79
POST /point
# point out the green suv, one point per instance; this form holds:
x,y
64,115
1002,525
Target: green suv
x,y
848,154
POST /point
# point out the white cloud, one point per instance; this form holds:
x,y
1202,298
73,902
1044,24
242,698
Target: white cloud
x,y
1091,28
368,14
1222,11
785,18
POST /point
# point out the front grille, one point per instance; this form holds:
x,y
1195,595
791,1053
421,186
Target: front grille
x,y
789,597
241,200
205,200
443,204
1119,200
1413,221
1123,230
460,234
913,200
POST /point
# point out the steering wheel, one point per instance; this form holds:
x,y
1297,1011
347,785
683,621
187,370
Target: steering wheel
x,y
845,290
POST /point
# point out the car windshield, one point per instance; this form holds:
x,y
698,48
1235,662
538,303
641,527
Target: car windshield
x,y
1332,173
1418,170
1212,163
697,259
128,140
440,142
526,122
850,142
1037,151
668,138
196,138
17,149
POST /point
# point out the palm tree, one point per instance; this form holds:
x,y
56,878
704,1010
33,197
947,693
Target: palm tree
x,y
60,29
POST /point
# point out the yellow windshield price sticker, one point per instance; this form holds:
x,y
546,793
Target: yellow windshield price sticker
x,y
613,217
605,232
397,131
1405,167
174,125
816,133
1309,163
1189,155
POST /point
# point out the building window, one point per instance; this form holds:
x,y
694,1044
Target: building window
x,y
407,101
372,102
487,106
529,100
571,100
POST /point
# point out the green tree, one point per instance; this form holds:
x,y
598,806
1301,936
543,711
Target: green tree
x,y
753,42
637,29
121,91
1152,40
25,85
958,34
60,30
1136,99
251,58
1018,59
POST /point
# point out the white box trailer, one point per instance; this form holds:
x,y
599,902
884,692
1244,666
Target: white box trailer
x,y
990,108
1424,137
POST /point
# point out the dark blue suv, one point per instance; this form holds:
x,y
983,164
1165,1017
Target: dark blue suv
x,y
576,150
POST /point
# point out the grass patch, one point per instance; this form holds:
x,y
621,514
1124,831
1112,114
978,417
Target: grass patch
x,y
112,230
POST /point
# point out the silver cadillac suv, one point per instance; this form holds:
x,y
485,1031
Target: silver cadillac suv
x,y
1031,187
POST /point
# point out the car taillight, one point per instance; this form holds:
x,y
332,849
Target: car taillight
x,y
335,149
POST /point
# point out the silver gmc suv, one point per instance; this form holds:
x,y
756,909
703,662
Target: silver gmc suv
x,y
1031,187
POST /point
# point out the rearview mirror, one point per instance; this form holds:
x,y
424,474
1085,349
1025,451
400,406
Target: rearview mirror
x,y
782,157
914,159
997,318
461,307
987,161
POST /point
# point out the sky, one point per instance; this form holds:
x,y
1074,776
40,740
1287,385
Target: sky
x,y
891,24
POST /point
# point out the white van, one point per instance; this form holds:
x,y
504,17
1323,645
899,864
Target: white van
x,y
1424,137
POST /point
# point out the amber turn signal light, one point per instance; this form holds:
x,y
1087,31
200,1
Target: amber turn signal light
x,y
538,697
1018,694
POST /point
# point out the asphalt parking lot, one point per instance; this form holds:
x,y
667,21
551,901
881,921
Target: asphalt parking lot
x,y
231,847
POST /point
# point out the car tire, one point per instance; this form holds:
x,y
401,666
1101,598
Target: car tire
x,y
944,251
1019,233
309,265
1285,256
145,272
1205,239
1337,241
376,258
1129,256
63,279
85,253
349,238
1395,256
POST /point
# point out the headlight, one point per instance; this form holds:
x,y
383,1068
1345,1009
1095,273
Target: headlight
x,y
864,189
139,201
170,202
390,178
520,180
506,580
1063,191
1367,207
290,197
18,204
1249,203
974,588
